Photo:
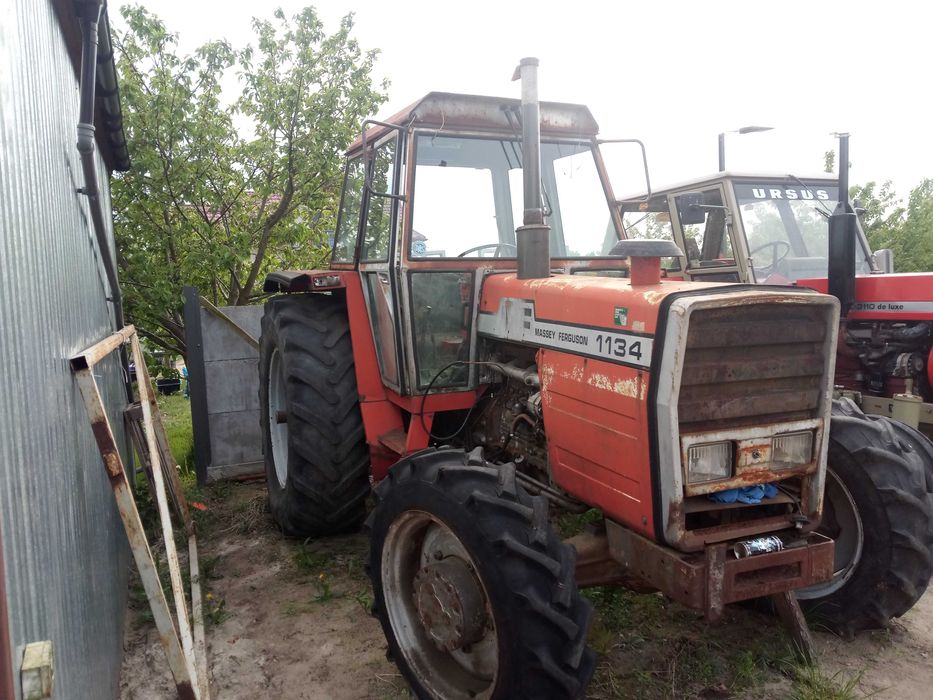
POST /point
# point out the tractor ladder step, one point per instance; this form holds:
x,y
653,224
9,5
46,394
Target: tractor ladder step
x,y
394,440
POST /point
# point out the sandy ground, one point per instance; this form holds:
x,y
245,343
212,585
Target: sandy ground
x,y
290,620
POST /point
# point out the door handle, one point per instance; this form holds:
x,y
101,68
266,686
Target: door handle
x,y
383,277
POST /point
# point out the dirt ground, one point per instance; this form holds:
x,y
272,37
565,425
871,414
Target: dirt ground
x,y
290,619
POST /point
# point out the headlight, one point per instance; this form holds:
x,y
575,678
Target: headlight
x,y
791,450
709,462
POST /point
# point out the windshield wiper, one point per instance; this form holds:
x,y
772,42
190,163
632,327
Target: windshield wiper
x,y
824,210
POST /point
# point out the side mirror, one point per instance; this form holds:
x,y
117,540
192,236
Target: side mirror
x,y
690,208
884,260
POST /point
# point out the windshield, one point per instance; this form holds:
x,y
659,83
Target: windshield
x,y
468,198
787,226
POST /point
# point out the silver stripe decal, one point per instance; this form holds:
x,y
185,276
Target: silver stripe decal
x,y
894,307
515,320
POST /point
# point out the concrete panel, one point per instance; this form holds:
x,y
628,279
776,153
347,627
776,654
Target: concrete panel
x,y
232,385
236,439
221,342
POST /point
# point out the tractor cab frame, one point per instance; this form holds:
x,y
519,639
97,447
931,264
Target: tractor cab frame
x,y
421,267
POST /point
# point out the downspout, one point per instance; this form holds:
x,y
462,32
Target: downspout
x,y
89,14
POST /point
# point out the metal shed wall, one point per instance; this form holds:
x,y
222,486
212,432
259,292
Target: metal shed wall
x,y
65,553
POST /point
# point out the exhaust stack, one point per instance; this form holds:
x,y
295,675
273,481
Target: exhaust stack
x,y
533,237
842,237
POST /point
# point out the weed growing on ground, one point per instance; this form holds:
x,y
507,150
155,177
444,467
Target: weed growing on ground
x,y
812,683
325,591
307,560
365,600
215,610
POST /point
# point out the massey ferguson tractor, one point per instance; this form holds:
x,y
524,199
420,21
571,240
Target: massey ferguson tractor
x,y
470,376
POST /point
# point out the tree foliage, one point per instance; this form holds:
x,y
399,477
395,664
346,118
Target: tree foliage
x,y
224,189
908,232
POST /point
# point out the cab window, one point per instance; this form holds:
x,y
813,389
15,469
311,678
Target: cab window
x,y
706,235
468,193
650,220
379,210
348,219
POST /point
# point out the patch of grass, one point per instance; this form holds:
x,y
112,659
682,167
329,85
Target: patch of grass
x,y
570,524
308,560
651,647
812,683
176,416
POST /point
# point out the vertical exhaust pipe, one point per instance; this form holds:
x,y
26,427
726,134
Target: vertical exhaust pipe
x,y
533,237
843,226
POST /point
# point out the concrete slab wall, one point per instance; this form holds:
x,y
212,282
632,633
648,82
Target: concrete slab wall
x,y
228,409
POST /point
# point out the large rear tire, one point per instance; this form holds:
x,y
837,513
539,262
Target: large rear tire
x,y
474,590
877,508
317,462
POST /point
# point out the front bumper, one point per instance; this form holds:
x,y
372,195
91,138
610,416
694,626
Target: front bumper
x,y
711,579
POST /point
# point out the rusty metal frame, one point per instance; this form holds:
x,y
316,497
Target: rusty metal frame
x,y
183,642
707,581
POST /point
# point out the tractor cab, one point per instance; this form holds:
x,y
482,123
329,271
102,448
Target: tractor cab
x,y
431,201
746,228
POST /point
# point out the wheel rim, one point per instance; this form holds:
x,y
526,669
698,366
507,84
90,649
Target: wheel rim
x,y
278,404
842,522
438,608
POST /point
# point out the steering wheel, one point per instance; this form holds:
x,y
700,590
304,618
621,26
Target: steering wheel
x,y
775,257
499,247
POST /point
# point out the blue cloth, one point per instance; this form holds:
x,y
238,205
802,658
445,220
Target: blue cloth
x,y
751,495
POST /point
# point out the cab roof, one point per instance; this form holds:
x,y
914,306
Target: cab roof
x,y
457,112
731,175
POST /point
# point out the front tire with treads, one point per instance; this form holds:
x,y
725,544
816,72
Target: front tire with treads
x,y
475,592
317,461
877,509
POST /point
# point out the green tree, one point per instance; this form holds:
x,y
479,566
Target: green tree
x,y
913,251
224,189
908,232
880,212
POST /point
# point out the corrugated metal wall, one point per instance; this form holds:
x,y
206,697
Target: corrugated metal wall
x,y
65,552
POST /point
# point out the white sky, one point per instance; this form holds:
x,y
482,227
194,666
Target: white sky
x,y
673,74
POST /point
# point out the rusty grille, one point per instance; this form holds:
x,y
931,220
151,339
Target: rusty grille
x,y
752,364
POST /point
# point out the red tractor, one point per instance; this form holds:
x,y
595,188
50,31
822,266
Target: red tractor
x,y
478,375
783,230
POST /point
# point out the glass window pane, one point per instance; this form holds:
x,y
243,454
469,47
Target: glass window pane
x,y
442,312
578,212
708,244
469,198
349,217
653,225
379,212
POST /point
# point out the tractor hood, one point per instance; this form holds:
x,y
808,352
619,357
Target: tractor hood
x,y
901,297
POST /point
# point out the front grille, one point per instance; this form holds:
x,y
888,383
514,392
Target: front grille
x,y
752,364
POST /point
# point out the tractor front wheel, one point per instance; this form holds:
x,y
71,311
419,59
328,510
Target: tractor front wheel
x,y
877,509
474,590
317,462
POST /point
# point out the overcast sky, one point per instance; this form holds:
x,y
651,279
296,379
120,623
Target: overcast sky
x,y
674,74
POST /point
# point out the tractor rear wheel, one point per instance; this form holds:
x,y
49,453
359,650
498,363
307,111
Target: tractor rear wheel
x,y
317,462
877,508
474,590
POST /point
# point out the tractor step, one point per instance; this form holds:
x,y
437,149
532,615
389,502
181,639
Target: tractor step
x,y
394,440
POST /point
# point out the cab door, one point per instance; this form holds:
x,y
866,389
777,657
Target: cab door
x,y
705,230
378,253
